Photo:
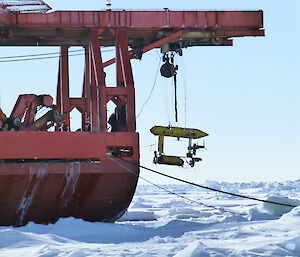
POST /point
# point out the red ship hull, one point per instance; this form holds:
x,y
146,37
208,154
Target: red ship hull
x,y
43,191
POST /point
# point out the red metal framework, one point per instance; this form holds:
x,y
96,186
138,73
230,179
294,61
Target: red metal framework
x,y
24,6
141,30
77,165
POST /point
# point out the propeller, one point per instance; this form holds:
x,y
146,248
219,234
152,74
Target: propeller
x,y
195,147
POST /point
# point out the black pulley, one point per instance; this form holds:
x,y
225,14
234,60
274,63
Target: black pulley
x,y
167,70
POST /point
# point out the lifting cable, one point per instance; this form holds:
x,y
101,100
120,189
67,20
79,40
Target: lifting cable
x,y
175,95
42,56
221,209
37,58
208,188
185,91
33,55
151,91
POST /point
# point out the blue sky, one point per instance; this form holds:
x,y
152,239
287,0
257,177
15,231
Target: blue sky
x,y
245,96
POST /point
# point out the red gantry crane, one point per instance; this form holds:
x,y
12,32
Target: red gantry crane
x,y
47,171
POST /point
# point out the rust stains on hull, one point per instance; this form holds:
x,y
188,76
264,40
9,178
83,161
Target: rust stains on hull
x,y
45,192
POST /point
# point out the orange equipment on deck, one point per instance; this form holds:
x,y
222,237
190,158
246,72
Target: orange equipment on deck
x,y
48,172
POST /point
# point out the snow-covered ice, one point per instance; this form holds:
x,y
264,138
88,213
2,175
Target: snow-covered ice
x,y
162,224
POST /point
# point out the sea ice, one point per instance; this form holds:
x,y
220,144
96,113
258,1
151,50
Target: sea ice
x,y
163,225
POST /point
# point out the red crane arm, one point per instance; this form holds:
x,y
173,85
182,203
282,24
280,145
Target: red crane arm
x,y
143,27
142,19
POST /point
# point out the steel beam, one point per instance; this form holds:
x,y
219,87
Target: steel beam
x,y
151,46
63,85
153,20
125,79
86,89
97,69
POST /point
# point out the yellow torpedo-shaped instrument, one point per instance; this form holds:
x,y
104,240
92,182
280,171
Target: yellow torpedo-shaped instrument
x,y
178,132
190,133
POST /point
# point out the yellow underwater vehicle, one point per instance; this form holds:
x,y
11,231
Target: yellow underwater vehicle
x,y
178,132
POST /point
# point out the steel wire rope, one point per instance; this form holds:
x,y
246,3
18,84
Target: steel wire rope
x,y
175,98
206,187
221,209
41,54
166,102
151,91
172,102
185,90
167,106
17,59
38,58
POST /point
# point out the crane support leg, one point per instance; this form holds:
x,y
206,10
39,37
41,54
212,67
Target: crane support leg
x,y
86,90
125,108
63,86
97,69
